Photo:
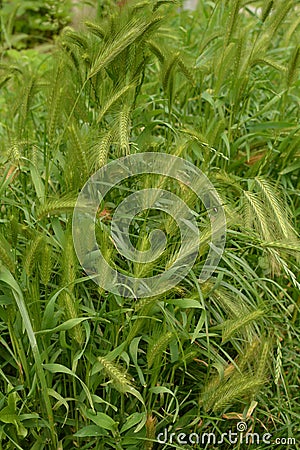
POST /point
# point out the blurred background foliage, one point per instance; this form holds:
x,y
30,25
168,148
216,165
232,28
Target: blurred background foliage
x,y
28,23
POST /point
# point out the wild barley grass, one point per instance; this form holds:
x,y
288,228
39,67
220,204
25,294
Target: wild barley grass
x,y
88,368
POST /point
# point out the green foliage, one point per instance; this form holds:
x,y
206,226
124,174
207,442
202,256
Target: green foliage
x,y
81,367
27,23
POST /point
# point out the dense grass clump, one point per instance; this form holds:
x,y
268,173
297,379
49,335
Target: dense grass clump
x,y
81,367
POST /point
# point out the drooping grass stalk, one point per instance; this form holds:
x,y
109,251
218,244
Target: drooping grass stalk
x,y
8,279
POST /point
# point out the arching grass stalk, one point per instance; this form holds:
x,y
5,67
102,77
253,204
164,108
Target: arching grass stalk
x,y
7,278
